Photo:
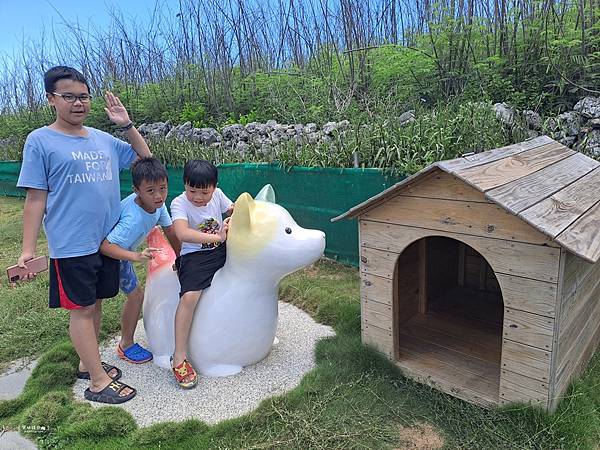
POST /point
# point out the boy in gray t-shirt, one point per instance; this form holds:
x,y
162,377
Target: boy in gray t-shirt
x,y
71,174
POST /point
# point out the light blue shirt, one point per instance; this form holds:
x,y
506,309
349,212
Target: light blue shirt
x,y
81,175
135,223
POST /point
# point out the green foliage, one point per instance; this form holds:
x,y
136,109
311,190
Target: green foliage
x,y
98,423
165,433
195,113
48,412
400,75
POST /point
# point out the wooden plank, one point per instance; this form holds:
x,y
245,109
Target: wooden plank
x,y
528,295
530,384
576,270
444,186
503,171
412,346
473,330
422,276
576,350
515,387
482,274
516,394
377,314
446,334
527,328
379,339
407,283
461,264
471,379
583,236
555,340
514,258
478,219
491,282
528,361
376,288
576,362
531,189
494,155
472,265
557,212
478,390
377,262
585,314
579,294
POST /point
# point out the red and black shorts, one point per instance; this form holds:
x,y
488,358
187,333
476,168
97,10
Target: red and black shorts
x,y
81,280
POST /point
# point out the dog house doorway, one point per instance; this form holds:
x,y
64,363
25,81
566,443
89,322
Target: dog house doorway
x,y
448,318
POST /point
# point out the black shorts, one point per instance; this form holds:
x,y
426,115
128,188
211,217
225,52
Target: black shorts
x,y
81,280
196,270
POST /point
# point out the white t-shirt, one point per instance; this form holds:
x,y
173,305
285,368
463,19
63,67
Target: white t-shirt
x,y
207,219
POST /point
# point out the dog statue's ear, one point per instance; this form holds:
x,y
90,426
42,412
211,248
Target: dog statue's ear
x,y
241,219
266,194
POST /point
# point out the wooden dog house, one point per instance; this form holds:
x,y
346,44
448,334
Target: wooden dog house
x,y
479,275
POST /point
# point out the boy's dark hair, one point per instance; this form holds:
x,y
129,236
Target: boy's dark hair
x,y
199,173
149,170
62,73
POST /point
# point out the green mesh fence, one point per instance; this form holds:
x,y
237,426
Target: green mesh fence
x,y
312,195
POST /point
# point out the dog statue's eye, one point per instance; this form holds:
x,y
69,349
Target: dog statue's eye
x,y
288,230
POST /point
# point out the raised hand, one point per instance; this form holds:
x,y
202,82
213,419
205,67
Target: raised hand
x,y
115,110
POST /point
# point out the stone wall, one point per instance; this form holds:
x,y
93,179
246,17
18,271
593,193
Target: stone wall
x,y
578,129
261,136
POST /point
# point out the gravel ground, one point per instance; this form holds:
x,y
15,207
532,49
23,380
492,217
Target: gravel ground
x,y
159,399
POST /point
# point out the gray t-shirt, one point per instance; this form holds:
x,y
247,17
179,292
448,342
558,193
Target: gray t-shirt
x,y
81,175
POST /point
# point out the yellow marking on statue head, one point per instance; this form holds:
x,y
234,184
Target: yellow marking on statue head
x,y
252,227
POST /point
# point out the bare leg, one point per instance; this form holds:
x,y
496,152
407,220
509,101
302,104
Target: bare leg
x,y
130,316
97,321
183,321
83,335
98,318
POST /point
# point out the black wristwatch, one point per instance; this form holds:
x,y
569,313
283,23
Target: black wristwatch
x,y
127,127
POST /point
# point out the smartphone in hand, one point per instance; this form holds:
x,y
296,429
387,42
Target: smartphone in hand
x,y
35,265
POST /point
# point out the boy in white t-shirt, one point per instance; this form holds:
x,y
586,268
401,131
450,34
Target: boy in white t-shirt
x,y
198,223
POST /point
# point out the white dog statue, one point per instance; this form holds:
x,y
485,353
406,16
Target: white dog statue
x,y
236,318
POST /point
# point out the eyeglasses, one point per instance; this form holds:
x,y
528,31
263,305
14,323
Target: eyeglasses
x,y
71,98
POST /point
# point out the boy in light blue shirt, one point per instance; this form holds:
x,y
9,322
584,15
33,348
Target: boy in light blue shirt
x,y
71,173
140,212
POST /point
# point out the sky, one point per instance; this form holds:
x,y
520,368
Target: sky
x,y
23,20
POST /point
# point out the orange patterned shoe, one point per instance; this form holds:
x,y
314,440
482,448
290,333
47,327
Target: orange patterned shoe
x,y
183,371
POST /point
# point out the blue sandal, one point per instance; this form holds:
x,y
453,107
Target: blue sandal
x,y
135,354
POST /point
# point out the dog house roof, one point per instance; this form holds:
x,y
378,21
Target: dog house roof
x,y
551,187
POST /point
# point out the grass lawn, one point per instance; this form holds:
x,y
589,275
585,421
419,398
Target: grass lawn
x,y
353,399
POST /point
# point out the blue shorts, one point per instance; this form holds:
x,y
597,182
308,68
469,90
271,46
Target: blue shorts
x,y
127,278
